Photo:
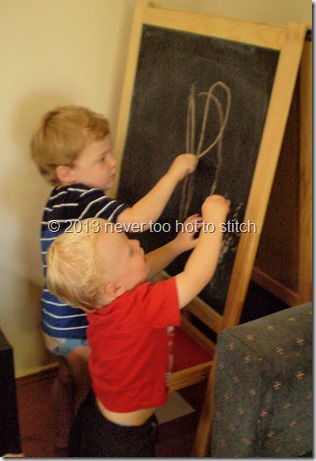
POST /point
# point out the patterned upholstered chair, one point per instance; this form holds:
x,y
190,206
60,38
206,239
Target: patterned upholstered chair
x,y
263,387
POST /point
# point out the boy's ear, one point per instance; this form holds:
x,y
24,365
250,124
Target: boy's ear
x,y
114,289
65,174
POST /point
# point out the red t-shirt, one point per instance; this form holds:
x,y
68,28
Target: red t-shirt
x,y
129,347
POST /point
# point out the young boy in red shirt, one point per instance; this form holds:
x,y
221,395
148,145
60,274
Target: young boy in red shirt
x,y
103,272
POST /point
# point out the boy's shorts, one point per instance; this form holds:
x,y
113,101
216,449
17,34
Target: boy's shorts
x,y
94,436
62,346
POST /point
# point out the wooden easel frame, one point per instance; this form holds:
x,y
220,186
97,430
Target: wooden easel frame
x,y
203,434
293,284
289,42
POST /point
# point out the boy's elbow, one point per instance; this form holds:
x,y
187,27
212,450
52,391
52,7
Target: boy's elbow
x,y
134,221
189,286
123,218
128,218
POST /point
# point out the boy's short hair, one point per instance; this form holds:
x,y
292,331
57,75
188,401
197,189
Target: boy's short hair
x,y
72,269
62,134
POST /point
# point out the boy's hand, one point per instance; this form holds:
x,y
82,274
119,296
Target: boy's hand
x,y
186,237
201,265
160,258
215,208
183,165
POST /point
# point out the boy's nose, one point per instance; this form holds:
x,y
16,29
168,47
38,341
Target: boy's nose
x,y
114,161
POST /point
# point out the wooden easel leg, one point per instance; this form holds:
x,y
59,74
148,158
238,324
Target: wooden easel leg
x,y
204,427
305,277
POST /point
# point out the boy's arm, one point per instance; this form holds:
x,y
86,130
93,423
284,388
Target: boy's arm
x,y
202,263
160,258
150,207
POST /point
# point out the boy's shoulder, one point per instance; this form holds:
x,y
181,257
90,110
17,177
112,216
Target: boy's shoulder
x,y
66,198
74,193
78,201
149,291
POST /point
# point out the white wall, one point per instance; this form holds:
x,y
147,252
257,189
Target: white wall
x,y
60,52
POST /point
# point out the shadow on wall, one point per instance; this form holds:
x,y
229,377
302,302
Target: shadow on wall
x,y
32,315
28,113
23,185
26,193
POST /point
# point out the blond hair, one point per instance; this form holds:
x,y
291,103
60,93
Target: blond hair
x,y
62,134
73,273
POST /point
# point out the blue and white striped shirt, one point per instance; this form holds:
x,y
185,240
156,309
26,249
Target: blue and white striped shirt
x,y
67,204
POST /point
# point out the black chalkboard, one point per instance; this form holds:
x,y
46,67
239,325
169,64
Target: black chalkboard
x,y
172,65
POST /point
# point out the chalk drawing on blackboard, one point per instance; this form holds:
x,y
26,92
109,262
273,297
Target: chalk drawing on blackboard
x,y
223,114
222,101
229,245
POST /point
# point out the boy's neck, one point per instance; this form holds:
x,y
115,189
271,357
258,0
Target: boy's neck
x,y
64,184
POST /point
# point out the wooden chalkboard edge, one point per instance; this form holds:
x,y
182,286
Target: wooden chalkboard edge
x,y
206,418
246,32
284,83
205,313
308,36
197,336
298,289
305,269
128,85
275,287
189,376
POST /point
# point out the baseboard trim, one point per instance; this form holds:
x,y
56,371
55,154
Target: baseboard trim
x,y
37,373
